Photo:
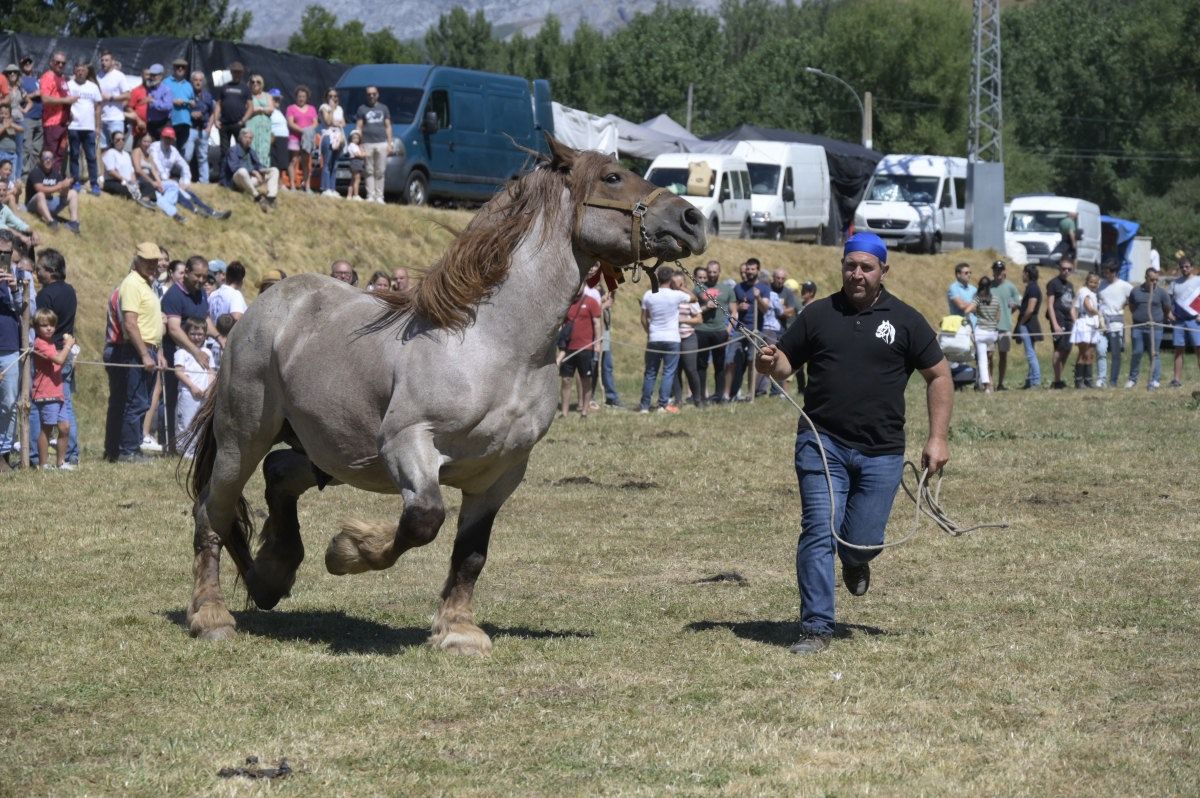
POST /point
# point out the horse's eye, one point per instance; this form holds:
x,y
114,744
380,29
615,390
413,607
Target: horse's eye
x,y
612,179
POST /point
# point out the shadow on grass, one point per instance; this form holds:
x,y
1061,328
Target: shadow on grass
x,y
347,634
781,633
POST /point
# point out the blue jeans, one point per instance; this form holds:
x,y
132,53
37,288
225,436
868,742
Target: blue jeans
x,y
139,384
197,144
329,158
863,488
68,412
10,385
193,203
666,354
87,140
1142,338
1108,356
606,378
1035,368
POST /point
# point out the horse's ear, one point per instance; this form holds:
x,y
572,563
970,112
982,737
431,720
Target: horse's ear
x,y
562,157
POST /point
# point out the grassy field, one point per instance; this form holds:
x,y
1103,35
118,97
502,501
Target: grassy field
x,y
1056,657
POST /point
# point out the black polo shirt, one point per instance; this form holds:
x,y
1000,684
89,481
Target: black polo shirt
x,y
859,363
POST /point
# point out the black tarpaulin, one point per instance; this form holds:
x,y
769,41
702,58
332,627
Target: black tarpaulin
x,y
280,70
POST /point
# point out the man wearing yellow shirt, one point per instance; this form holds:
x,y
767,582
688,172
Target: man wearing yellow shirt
x,y
142,325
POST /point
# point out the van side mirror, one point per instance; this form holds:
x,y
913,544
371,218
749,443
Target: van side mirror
x,y
429,124
725,192
789,195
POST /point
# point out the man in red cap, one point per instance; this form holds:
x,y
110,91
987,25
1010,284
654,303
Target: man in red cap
x,y
861,345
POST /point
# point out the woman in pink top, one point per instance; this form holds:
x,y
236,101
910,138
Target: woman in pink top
x,y
302,135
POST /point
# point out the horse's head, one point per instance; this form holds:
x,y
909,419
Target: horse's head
x,y
620,217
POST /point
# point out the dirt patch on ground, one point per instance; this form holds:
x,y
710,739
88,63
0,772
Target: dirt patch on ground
x,y
577,480
671,433
731,577
251,770
637,484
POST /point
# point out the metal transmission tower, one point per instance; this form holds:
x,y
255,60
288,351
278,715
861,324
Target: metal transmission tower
x,y
985,144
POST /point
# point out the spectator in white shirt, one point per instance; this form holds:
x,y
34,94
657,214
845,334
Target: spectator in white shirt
x,y
228,297
660,320
119,176
114,92
1114,296
171,165
85,119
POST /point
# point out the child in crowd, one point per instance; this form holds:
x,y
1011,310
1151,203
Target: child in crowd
x,y
216,345
48,385
194,380
358,164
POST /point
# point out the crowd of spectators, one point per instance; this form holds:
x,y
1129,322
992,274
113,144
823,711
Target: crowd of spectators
x,y
82,128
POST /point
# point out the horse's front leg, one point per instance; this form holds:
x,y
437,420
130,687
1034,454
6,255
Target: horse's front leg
x,y
454,627
413,463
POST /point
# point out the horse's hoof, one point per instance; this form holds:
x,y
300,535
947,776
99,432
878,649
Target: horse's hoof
x,y
361,546
212,622
462,639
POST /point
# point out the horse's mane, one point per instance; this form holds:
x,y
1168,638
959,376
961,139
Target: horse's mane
x,y
480,256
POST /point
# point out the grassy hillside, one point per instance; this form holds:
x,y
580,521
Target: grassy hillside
x,y
307,233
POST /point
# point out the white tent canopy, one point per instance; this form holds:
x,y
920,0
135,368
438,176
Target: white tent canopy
x,y
583,131
639,141
669,127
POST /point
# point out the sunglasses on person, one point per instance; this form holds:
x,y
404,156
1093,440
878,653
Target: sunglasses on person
x,y
58,63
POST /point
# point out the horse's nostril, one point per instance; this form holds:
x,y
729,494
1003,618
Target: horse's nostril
x,y
692,216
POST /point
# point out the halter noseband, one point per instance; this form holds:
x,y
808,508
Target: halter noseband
x,y
637,235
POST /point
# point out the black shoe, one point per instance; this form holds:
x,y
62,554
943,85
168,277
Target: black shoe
x,y
1001,387
1025,386
1058,386
857,578
221,215
810,644
615,403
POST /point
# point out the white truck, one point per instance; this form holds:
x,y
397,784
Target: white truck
x,y
789,189
1032,232
917,202
717,185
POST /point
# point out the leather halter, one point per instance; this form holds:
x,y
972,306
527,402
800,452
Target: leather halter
x,y
637,236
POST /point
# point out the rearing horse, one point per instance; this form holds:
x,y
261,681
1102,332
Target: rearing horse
x,y
451,385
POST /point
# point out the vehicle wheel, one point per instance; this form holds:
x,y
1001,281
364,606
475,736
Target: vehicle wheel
x,y
819,236
416,190
777,232
935,246
744,230
714,227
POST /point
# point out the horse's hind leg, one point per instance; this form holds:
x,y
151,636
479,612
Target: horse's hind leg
x,y
454,627
288,473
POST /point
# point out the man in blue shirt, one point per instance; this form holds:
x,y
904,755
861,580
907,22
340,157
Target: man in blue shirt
x,y
202,119
960,297
183,300
33,117
183,98
752,301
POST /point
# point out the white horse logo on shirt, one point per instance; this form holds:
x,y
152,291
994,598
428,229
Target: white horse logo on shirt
x,y
886,331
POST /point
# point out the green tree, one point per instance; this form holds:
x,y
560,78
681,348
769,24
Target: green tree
x,y
203,19
320,35
463,40
585,85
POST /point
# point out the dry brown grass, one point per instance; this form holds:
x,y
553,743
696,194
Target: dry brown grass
x,y
1054,658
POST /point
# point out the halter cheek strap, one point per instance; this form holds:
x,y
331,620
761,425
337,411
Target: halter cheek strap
x,y
637,232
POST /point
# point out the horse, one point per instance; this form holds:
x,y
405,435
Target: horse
x,y
451,383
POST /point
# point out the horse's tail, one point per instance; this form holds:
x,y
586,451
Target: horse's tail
x,y
200,435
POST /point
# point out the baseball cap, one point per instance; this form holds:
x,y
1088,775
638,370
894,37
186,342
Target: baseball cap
x,y
179,62
270,277
275,93
155,69
791,284
26,59
999,266
148,250
809,285
216,266
12,68
168,132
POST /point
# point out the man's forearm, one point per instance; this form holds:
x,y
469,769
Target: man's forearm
x,y
939,395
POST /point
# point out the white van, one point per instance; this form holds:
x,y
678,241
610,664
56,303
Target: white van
x,y
718,185
789,189
917,202
1033,224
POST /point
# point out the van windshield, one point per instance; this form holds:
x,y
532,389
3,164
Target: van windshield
x,y
903,188
764,178
402,103
1035,221
675,180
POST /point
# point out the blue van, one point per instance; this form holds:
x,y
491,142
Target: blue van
x,y
453,129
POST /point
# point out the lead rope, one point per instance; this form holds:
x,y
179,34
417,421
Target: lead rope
x,y
919,495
